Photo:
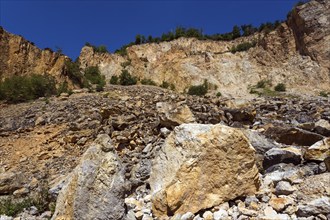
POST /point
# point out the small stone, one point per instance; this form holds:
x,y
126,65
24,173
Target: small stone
x,y
147,198
130,215
47,215
208,215
147,217
139,215
221,214
188,216
281,203
21,192
284,188
198,217
33,210
250,199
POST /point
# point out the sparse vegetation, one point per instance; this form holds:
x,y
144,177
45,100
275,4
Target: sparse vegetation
x,y
324,94
24,88
93,75
64,88
178,32
199,90
146,81
280,87
243,46
126,63
72,70
126,78
114,80
98,49
167,85
41,201
263,83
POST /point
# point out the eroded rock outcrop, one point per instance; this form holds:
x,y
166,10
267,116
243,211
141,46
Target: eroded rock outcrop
x,y
21,57
201,166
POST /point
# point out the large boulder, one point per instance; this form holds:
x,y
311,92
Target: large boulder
x,y
201,166
96,187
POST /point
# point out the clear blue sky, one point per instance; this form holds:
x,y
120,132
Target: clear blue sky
x,y
69,24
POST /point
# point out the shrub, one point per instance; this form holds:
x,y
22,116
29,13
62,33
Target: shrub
x,y
145,81
126,78
97,49
126,63
280,87
114,80
24,88
72,70
243,46
63,88
93,75
199,89
263,83
324,94
165,84
218,94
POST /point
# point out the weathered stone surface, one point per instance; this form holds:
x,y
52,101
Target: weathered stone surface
x,y
172,115
201,166
293,136
313,187
284,188
318,151
314,207
9,182
310,23
282,155
95,189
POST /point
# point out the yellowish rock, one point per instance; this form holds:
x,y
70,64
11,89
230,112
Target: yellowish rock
x,y
202,166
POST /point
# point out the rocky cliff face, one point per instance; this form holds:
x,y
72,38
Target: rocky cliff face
x,y
310,23
295,53
21,57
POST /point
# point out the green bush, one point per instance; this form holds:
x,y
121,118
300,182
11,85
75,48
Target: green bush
x,y
199,89
324,94
243,46
280,87
126,78
98,49
114,80
93,75
72,70
126,63
63,88
24,88
145,81
165,84
218,94
263,83
41,201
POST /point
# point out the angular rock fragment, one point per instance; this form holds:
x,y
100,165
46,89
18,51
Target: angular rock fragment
x,y
96,187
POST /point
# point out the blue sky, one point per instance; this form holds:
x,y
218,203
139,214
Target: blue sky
x,y
69,24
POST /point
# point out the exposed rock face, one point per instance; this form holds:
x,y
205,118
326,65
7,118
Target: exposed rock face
x,y
296,53
310,23
201,166
21,57
95,189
